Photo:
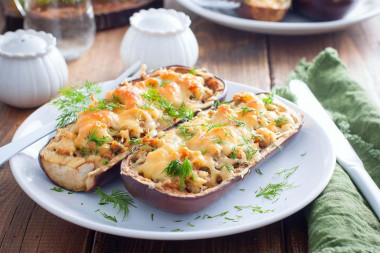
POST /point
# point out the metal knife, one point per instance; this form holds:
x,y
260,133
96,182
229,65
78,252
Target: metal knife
x,y
345,154
9,150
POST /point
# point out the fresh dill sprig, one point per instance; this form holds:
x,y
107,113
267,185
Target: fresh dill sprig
x,y
180,169
109,217
280,121
134,141
212,126
234,153
99,141
57,189
269,99
249,150
186,132
288,172
245,110
272,190
73,100
118,198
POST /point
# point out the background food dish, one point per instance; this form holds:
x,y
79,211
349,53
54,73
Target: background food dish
x,y
314,172
293,24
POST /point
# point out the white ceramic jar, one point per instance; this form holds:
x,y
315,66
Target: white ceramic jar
x,y
32,70
159,37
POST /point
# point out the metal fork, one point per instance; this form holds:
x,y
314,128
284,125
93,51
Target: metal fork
x,y
9,150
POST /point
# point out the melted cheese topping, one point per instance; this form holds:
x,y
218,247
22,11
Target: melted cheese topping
x,y
220,144
142,108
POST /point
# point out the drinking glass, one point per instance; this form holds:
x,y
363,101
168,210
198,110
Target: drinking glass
x,y
70,21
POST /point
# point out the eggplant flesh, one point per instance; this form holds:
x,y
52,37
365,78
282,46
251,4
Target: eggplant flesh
x,y
85,176
181,202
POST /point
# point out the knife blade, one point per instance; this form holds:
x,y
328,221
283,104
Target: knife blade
x,y
345,154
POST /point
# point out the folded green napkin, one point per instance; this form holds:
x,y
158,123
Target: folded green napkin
x,y
340,219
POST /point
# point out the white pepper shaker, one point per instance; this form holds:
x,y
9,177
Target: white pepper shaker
x,y
32,70
160,37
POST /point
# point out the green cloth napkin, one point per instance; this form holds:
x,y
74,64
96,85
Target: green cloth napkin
x,y
340,219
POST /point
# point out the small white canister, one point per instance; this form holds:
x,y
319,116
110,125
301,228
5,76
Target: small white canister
x,y
32,70
160,37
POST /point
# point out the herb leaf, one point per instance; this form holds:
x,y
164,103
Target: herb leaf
x,y
268,100
245,110
117,198
111,218
178,169
73,100
272,190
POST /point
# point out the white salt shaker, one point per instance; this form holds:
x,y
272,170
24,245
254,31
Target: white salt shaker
x,y
160,37
32,70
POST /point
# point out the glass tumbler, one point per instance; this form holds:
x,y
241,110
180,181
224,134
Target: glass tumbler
x,y
70,21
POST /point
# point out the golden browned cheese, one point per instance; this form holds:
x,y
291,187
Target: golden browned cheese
x,y
143,108
219,144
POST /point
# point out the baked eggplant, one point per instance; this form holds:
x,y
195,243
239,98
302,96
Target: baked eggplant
x,y
88,153
264,10
189,167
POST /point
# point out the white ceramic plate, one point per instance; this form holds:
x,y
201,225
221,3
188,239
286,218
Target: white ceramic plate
x,y
310,149
293,24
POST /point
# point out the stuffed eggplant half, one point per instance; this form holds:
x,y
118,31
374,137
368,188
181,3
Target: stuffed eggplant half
x,y
88,152
189,167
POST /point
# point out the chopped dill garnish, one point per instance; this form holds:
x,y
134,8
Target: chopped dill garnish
x,y
238,122
303,154
275,200
99,141
118,198
212,126
186,132
105,104
259,171
149,147
233,155
152,216
181,170
164,83
268,100
218,140
273,190
166,121
57,189
228,167
280,121
204,152
221,214
257,209
191,225
288,172
249,150
227,218
206,216
111,218
196,218
73,100
70,192
245,110
243,190
280,148
193,72
176,230
177,220
134,141
181,112
217,103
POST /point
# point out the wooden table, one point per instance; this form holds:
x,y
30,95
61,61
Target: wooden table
x,y
261,61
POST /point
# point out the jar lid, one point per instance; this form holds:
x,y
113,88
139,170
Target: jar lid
x,y
26,43
160,21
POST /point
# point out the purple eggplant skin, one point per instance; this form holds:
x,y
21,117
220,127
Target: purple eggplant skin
x,y
324,10
93,181
143,189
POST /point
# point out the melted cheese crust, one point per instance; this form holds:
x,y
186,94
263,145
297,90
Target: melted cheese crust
x,y
144,111
220,144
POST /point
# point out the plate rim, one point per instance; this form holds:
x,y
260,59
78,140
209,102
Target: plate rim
x,y
185,235
284,28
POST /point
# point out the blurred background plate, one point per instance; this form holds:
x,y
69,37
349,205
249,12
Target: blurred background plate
x,y
292,24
